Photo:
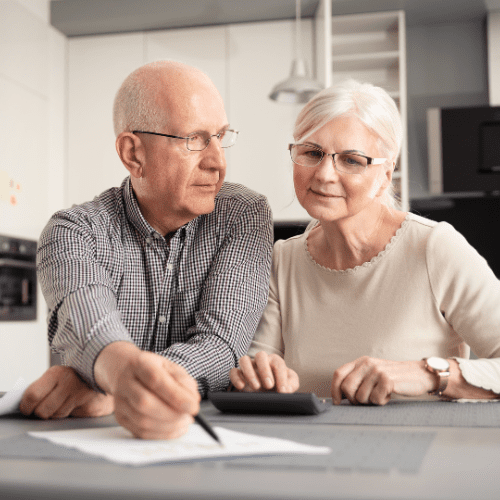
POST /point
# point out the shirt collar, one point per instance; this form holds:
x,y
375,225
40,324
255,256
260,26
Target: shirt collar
x,y
135,217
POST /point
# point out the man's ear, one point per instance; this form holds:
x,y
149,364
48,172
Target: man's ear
x,y
131,151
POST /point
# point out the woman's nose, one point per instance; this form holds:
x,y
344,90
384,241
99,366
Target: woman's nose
x,y
326,169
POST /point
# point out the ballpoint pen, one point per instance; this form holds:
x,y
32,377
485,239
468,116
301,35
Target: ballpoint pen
x,y
207,427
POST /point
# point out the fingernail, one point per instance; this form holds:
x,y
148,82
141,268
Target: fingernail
x,y
268,382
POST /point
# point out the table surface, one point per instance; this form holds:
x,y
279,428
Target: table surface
x,y
367,462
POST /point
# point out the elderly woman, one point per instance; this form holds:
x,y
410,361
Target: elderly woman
x,y
370,301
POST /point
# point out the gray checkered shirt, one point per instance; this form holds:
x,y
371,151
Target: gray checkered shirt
x,y
107,275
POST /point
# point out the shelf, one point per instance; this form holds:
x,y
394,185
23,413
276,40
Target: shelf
x,y
367,61
369,48
379,41
363,23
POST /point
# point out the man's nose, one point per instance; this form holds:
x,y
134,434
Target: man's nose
x,y
214,153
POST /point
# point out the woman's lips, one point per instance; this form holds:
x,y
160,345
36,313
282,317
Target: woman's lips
x,y
326,195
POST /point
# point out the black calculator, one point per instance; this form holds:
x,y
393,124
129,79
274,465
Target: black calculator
x,y
298,403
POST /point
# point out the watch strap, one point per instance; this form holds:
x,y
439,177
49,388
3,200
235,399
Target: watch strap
x,y
443,377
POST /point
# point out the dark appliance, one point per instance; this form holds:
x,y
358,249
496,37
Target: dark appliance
x,y
17,279
464,150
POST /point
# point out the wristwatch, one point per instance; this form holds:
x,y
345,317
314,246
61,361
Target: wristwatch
x,y
441,367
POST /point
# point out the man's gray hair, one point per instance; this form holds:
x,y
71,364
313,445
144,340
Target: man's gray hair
x,y
136,105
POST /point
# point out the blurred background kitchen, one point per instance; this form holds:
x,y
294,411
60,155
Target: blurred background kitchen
x,y
62,61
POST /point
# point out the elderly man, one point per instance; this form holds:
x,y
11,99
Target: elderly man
x,y
155,288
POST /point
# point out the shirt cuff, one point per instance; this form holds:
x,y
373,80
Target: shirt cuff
x,y
108,331
484,373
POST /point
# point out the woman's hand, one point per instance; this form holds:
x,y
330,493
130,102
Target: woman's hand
x,y
372,381
264,373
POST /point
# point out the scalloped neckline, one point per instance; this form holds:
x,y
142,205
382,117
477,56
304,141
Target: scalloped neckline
x,y
368,263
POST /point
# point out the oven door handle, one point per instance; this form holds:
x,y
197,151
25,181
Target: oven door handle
x,y
17,263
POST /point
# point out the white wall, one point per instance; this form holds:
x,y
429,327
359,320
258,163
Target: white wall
x,y
32,99
245,61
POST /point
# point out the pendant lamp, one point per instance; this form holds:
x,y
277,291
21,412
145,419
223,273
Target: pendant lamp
x,y
298,87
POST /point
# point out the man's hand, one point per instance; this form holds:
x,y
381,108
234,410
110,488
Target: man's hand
x,y
372,381
60,392
154,397
264,373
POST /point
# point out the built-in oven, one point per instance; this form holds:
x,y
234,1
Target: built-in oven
x,y
17,279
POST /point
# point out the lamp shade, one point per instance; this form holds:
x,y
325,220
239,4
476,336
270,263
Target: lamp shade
x,y
297,88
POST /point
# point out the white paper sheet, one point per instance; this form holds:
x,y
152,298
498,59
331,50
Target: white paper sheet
x,y
9,402
118,445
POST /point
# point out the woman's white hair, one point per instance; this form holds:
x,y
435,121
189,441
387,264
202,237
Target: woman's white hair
x,y
372,105
135,106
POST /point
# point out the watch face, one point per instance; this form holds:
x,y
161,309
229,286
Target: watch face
x,y
438,363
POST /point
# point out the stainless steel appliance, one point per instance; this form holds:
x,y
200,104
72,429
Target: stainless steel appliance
x,y
18,286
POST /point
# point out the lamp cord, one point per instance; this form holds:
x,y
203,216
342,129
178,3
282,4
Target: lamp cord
x,y
298,40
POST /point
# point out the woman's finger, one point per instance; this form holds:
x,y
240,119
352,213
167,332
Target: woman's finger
x,y
264,370
237,379
338,379
249,373
280,372
365,389
293,380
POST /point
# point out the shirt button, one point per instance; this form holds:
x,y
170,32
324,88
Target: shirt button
x,y
157,236
170,267
148,241
162,319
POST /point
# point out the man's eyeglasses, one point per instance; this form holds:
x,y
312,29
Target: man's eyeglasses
x,y
198,141
348,163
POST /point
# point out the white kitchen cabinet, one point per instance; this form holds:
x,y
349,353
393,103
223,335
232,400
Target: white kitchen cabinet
x,y
260,55
369,48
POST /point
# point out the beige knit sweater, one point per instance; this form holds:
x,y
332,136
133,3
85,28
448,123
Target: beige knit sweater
x,y
428,293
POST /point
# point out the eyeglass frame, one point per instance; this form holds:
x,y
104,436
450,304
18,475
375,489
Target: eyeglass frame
x,y
371,161
187,138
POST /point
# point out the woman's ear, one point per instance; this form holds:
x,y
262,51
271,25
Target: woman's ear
x,y
386,178
131,152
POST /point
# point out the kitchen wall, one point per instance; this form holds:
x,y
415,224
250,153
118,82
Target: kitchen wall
x,y
244,60
32,137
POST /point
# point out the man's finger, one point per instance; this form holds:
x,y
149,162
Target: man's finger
x,y
151,420
157,377
37,392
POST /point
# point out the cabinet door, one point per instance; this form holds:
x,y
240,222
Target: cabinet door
x,y
260,56
97,67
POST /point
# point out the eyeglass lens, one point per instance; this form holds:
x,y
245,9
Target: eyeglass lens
x,y
199,141
308,156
